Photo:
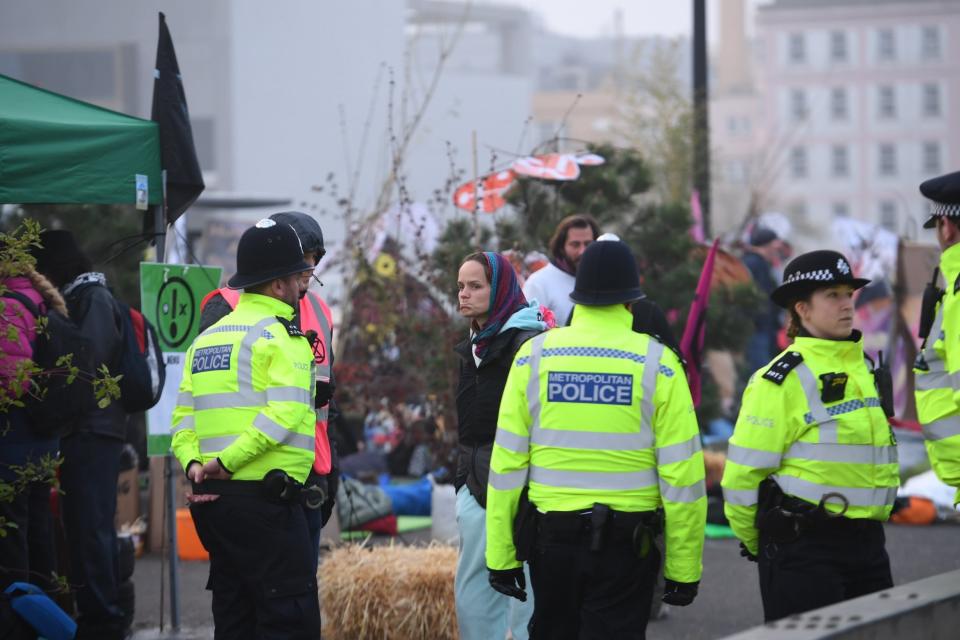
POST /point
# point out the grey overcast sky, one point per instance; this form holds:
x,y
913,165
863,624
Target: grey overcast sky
x,y
592,18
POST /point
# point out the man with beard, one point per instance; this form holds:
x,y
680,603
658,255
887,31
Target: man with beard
x,y
551,286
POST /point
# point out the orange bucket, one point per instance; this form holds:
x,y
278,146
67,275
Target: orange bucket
x,y
189,546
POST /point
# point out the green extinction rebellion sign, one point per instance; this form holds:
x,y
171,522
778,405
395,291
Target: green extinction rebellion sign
x,y
170,296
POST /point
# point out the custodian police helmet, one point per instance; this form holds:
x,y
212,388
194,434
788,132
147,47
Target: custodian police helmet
x,y
607,275
267,250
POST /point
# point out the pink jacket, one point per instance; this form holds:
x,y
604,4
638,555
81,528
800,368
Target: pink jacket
x,y
15,314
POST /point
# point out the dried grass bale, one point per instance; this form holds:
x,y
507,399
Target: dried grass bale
x,y
395,592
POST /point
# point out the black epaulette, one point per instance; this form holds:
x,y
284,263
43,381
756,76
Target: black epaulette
x,y
292,329
778,371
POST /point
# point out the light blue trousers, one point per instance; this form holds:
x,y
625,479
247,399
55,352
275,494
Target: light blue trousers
x,y
482,613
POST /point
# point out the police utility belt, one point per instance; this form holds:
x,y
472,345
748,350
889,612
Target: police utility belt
x,y
598,527
782,518
276,486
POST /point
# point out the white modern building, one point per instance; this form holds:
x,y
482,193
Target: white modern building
x,y
846,107
286,97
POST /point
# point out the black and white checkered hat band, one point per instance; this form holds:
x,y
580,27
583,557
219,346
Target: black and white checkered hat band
x,y
945,210
818,275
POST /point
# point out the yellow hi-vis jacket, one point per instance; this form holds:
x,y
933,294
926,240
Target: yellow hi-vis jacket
x,y
247,394
937,378
814,433
596,413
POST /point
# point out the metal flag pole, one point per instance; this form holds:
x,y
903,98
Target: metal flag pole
x,y
170,485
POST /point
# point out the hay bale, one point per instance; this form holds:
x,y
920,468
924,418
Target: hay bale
x,y
395,592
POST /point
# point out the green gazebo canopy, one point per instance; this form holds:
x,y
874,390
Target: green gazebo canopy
x,y
54,149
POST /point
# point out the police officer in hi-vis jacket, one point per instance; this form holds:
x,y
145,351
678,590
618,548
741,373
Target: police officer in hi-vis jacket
x,y
811,471
243,429
597,442
937,368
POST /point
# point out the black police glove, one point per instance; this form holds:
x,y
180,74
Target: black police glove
x,y
679,593
746,553
323,393
509,582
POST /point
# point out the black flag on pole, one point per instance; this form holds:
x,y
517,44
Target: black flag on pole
x,y
178,156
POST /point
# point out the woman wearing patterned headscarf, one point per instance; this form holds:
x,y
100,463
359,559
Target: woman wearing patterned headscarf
x,y
501,320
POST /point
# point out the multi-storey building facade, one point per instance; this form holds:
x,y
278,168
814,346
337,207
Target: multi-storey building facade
x,y
854,104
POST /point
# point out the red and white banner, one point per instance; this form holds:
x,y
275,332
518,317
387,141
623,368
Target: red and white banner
x,y
492,190
551,166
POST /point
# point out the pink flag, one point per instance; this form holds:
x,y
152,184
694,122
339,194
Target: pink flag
x,y
696,231
691,344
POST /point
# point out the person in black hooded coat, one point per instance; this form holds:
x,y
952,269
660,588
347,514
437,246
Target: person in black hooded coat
x,y
501,321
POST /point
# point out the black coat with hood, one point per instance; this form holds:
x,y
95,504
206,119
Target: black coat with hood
x,y
478,403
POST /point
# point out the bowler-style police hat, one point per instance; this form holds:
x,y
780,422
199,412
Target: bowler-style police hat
x,y
814,270
267,251
607,275
944,195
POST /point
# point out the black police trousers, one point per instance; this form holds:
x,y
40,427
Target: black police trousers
x,y
583,594
261,569
833,561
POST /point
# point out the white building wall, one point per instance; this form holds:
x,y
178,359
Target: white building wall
x,y
863,74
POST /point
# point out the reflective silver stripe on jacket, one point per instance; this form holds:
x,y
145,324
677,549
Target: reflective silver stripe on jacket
x,y
215,444
689,493
276,431
245,355
185,423
649,386
856,496
936,377
740,497
679,451
512,441
595,480
818,412
756,458
942,428
249,398
323,370
533,384
848,453
508,481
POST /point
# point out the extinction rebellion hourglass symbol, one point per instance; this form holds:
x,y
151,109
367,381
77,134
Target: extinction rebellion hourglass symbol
x,y
176,309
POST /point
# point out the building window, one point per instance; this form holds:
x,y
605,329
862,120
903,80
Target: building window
x,y
797,48
839,161
931,100
886,45
930,43
838,103
798,162
888,215
838,46
931,157
887,160
798,105
841,210
886,103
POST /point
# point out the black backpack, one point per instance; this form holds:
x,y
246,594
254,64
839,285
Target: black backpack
x,y
56,405
141,362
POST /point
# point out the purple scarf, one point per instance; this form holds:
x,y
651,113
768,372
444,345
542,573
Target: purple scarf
x,y
564,265
506,298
